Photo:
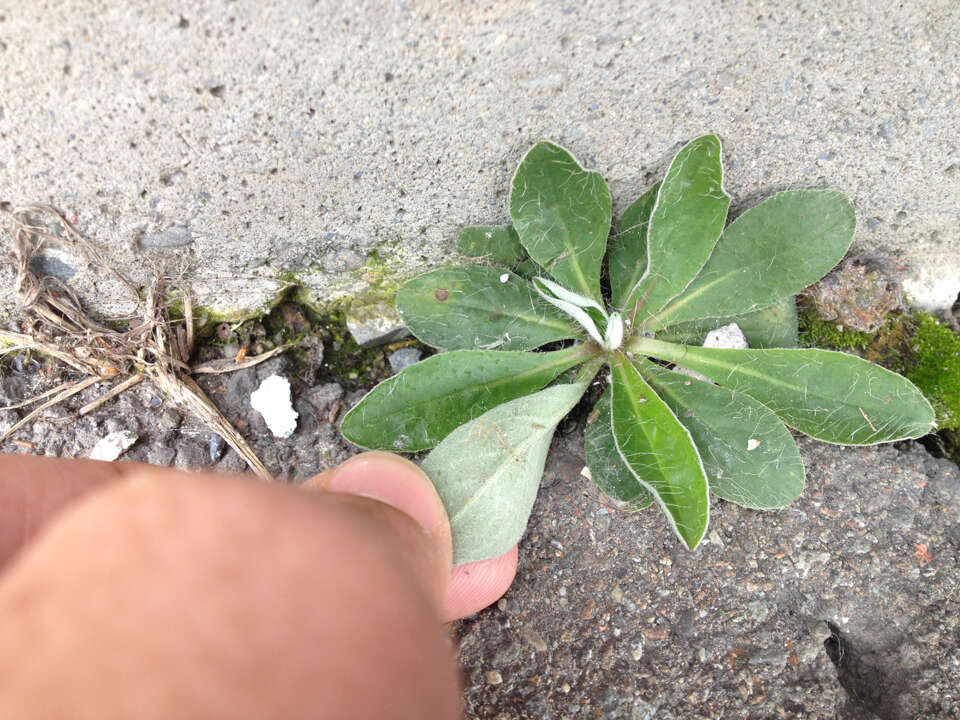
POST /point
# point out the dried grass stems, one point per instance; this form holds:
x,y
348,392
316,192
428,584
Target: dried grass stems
x,y
153,347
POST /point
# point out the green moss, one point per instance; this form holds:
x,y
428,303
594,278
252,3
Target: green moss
x,y
203,316
348,363
817,332
344,360
917,346
933,365
381,280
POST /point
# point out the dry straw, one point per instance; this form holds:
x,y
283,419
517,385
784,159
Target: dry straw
x,y
149,346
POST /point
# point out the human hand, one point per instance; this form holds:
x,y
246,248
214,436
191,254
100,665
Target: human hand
x,y
139,592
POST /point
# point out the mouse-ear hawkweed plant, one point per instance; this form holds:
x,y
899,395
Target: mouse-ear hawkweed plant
x,y
489,406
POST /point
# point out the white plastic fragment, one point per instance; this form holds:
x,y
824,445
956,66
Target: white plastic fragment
x,y
586,473
272,400
504,277
112,446
753,444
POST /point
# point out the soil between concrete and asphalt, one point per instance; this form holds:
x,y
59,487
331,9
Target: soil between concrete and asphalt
x,y
843,605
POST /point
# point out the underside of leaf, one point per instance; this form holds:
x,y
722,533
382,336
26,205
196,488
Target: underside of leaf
x,y
487,471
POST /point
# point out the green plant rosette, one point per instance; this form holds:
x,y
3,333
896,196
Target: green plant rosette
x,y
677,421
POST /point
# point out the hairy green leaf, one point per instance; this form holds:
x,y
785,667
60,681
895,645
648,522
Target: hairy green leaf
x,y
487,471
685,224
770,327
479,307
421,405
748,453
607,468
496,243
528,269
627,254
562,214
828,395
772,251
659,451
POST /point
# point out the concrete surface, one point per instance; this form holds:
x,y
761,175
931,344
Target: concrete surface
x,y
611,618
248,141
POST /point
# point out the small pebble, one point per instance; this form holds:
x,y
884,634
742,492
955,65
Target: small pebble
x,y
216,447
589,608
728,336
403,358
534,639
494,678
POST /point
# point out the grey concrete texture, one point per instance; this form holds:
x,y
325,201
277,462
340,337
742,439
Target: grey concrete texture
x,y
842,605
245,141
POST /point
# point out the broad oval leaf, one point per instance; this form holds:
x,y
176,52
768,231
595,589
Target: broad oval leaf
x,y
749,455
772,251
828,395
479,307
487,471
418,407
684,226
496,243
627,253
770,327
659,451
607,469
562,214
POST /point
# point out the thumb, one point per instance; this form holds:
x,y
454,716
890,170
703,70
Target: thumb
x,y
399,483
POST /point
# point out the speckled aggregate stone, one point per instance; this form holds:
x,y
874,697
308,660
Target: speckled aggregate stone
x,y
249,140
611,618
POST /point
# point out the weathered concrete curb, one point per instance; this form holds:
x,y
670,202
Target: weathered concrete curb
x,y
257,146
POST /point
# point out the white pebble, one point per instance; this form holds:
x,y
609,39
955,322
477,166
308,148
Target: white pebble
x,y
728,336
272,400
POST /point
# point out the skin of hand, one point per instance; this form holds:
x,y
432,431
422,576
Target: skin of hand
x,y
129,591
